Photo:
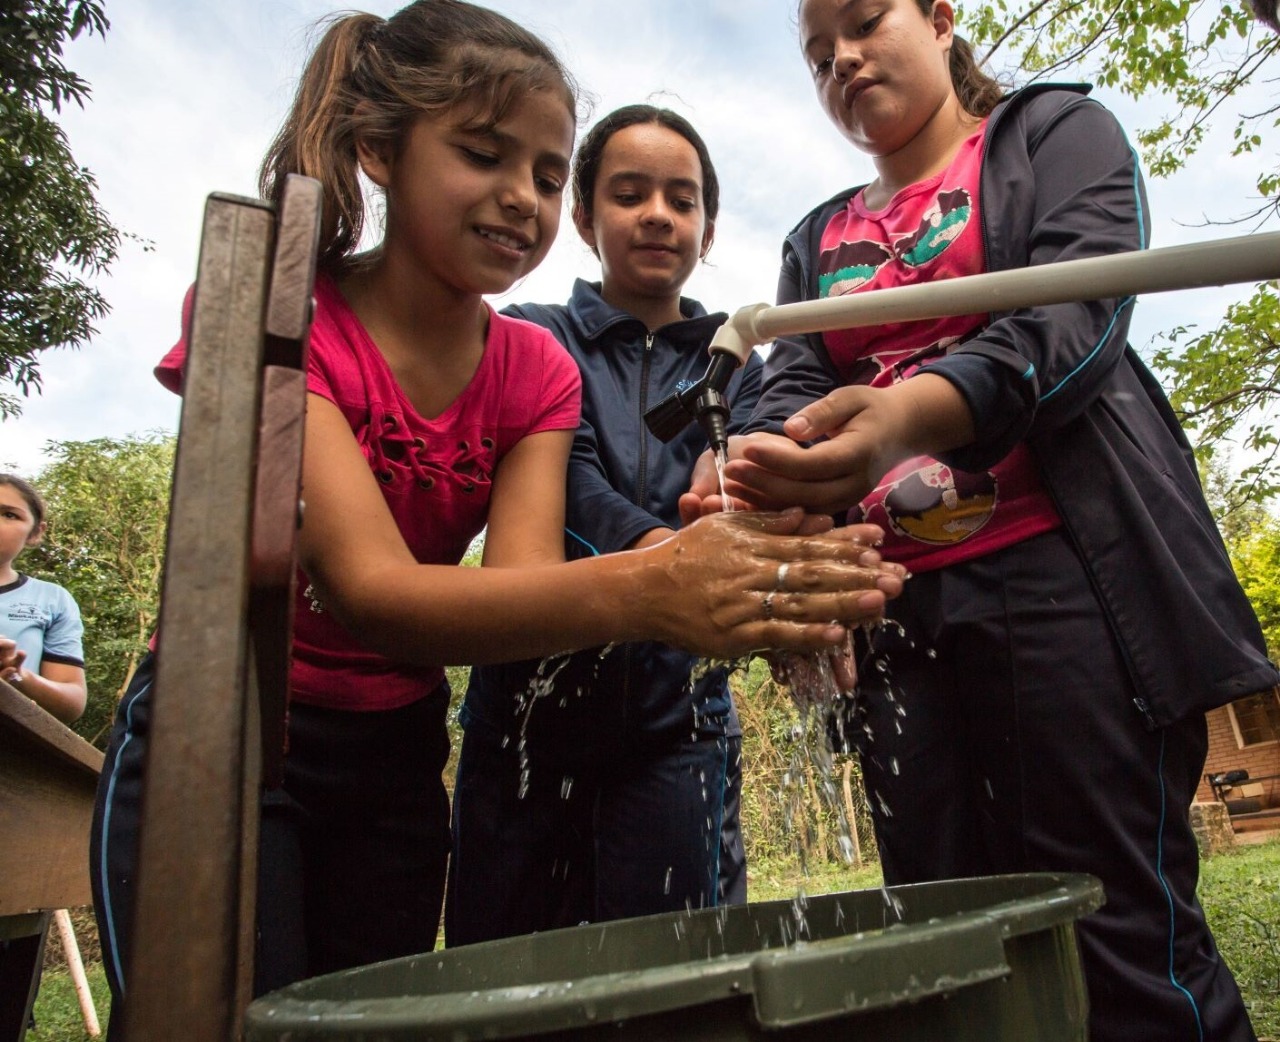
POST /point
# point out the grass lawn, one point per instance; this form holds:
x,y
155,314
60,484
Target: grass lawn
x,y
1240,891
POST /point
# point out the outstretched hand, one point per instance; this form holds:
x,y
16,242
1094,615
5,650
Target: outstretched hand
x,y
740,582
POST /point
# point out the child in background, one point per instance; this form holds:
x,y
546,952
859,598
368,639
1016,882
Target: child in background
x,y
428,418
603,799
41,635
1072,612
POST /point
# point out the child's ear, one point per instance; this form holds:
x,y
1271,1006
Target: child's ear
x,y
708,237
375,158
586,229
375,155
944,21
37,534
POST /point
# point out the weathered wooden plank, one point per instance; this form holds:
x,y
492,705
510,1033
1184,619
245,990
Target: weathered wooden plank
x,y
48,776
199,806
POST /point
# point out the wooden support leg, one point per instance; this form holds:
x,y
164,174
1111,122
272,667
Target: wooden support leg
x,y
75,965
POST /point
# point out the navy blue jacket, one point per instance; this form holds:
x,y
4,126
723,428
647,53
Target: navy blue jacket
x,y
1060,181
622,483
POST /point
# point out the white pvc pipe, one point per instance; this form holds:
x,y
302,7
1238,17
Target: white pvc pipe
x,y
1217,262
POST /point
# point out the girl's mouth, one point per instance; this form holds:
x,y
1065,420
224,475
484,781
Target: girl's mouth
x,y
507,240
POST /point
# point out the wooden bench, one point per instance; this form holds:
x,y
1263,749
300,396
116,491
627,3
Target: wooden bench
x,y
48,777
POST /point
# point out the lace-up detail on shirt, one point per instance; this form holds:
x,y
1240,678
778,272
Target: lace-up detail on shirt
x,y
397,455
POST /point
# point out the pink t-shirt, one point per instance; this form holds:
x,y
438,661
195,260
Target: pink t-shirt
x,y
435,474
933,516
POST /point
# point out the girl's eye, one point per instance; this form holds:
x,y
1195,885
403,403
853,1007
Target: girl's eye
x,y
820,68
627,198
549,185
479,158
685,205
869,25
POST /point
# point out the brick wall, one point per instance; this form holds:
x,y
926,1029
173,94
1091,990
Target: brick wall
x,y
1226,755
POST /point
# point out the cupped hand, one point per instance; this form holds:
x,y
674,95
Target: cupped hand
x,y
703,497
858,434
819,677
734,583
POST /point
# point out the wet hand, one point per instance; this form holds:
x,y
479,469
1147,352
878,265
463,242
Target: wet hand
x,y
734,583
819,677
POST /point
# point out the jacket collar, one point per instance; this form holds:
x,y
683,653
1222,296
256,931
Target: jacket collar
x,y
596,318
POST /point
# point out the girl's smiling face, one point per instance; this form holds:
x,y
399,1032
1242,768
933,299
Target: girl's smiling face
x,y
476,207
648,223
880,66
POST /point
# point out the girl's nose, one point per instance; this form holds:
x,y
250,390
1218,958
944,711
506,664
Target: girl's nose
x,y
846,63
520,198
658,214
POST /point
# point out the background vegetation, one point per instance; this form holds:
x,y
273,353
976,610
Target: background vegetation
x,y
54,237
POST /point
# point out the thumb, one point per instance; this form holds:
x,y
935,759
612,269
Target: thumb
x,y
825,415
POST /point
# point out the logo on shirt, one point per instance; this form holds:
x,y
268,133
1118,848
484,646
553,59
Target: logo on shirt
x,y
940,506
852,265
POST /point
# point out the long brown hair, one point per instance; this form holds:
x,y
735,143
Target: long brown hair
x,y
372,78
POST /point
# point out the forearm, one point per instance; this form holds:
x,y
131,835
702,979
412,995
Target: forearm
x,y
64,700
702,590
443,615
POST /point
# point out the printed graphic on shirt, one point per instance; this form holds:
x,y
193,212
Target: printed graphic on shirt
x,y
28,611
851,265
938,505
940,226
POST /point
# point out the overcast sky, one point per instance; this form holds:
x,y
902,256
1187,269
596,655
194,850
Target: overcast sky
x,y
186,97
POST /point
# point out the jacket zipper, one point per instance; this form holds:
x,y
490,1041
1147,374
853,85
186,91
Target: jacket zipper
x,y
642,484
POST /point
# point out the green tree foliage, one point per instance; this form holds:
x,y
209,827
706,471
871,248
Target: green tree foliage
x,y
108,506
1196,53
53,233
1225,385
1256,556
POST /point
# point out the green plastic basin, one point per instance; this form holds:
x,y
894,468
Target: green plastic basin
x,y
991,959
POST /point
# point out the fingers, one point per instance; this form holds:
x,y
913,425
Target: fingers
x,y
821,462
690,508
827,414
764,488
704,481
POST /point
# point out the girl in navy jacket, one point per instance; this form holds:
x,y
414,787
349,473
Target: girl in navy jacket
x,y
601,798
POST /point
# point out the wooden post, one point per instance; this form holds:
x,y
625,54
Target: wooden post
x,y
71,951
225,616
850,813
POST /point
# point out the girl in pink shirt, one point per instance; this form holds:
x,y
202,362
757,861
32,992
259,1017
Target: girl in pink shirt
x,y
430,418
